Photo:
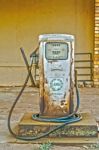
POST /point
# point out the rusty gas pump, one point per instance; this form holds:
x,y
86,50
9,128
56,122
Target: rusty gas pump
x,y
57,81
56,63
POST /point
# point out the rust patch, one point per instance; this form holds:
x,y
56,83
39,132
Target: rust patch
x,y
52,109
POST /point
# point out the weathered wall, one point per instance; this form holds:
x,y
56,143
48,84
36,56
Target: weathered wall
x,y
21,21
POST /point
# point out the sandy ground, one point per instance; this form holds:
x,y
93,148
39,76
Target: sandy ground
x,y
29,102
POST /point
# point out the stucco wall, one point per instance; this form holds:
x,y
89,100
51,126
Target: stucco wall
x,y
21,21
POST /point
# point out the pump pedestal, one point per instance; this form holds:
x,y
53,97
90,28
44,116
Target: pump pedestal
x,y
85,129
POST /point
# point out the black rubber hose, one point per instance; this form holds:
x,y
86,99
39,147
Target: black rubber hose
x,y
47,133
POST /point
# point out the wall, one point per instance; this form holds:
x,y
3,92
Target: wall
x,y
22,21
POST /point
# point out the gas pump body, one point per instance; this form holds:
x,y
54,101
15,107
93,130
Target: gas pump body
x,y
56,70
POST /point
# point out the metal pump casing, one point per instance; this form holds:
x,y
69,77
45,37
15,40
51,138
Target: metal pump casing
x,y
56,70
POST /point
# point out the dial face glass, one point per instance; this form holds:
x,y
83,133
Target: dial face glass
x,y
56,51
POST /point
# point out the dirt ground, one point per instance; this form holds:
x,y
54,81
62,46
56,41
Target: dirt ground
x,y
29,102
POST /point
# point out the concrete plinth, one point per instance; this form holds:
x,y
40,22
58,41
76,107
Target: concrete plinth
x,y
86,128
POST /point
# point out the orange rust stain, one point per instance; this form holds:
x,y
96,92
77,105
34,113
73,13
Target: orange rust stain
x,y
53,109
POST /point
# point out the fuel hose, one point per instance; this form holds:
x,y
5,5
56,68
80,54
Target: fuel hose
x,y
74,117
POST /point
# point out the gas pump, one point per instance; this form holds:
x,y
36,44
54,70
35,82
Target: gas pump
x,y
56,62
56,83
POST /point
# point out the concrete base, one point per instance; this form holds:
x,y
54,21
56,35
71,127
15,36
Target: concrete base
x,y
85,129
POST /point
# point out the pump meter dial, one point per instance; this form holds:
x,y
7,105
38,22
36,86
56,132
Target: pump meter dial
x,y
56,50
